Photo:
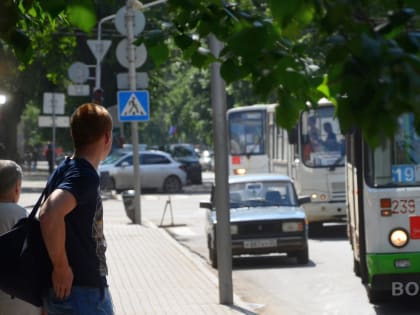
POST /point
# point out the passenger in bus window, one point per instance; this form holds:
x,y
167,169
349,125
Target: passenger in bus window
x,y
330,141
313,134
235,147
314,143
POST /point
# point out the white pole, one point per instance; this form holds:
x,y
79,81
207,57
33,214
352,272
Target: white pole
x,y
151,4
134,130
98,60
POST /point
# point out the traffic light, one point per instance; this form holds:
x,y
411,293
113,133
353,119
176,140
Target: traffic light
x,y
98,96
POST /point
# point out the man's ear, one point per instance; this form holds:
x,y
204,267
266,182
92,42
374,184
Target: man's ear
x,y
17,190
108,137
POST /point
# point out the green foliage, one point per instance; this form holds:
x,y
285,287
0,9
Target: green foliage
x,y
30,119
20,20
362,55
366,54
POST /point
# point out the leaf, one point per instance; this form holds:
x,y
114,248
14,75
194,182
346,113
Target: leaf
x,y
323,87
183,41
250,41
287,112
283,11
201,58
21,45
54,8
82,16
159,53
415,4
231,71
151,38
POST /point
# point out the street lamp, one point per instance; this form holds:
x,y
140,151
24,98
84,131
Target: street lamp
x,y
3,99
98,60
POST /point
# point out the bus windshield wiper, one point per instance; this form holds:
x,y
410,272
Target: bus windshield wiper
x,y
336,163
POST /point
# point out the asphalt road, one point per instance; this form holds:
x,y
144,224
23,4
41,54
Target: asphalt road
x,y
270,285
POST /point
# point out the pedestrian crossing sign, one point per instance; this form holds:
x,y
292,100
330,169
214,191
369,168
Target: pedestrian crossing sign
x,y
133,106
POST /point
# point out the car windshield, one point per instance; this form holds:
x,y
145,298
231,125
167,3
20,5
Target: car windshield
x,y
113,157
262,194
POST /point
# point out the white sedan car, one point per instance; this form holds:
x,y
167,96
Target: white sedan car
x,y
158,170
265,217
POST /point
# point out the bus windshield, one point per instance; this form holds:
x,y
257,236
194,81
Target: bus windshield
x,y
321,139
247,132
397,162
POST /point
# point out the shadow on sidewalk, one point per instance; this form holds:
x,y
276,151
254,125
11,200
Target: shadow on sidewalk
x,y
242,310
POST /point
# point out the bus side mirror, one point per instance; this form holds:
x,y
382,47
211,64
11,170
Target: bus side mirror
x,y
206,205
293,135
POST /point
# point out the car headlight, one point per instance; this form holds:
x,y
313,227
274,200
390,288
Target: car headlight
x,y
233,229
292,226
239,171
398,237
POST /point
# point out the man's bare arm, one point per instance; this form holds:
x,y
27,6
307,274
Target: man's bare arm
x,y
53,229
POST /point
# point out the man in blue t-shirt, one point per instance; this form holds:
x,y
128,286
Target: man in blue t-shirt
x,y
72,220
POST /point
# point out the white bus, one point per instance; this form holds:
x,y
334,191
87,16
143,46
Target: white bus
x,y
383,206
313,154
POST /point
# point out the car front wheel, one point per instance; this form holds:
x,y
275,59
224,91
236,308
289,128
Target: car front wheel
x,y
302,256
172,184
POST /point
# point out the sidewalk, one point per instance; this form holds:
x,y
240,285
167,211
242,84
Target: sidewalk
x,y
149,272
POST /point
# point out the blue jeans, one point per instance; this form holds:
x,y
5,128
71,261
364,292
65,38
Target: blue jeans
x,y
82,301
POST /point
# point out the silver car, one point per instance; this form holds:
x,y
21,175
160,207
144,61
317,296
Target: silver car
x,y
158,170
265,217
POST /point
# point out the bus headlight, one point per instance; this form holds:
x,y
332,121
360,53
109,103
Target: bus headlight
x,y
320,197
233,229
398,237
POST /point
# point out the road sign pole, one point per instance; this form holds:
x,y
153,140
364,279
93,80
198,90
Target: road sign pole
x,y
134,128
223,239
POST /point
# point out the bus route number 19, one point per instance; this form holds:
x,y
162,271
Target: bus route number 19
x,y
403,173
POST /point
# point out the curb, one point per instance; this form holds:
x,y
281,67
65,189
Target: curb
x,y
239,305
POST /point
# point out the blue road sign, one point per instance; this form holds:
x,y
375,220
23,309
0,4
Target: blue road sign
x,y
133,106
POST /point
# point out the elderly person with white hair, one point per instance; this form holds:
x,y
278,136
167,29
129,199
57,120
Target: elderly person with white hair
x,y
10,213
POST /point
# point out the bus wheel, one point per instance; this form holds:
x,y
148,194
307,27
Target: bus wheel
x,y
375,296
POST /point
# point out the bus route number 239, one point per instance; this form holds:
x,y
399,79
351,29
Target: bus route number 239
x,y
403,206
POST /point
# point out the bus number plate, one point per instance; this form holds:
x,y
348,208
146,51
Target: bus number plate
x,y
403,206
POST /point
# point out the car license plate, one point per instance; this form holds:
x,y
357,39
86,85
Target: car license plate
x,y
260,243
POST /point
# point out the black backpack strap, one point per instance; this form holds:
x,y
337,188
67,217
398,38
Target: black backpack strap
x,y
53,181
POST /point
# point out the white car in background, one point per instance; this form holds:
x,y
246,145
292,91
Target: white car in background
x,y
158,170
